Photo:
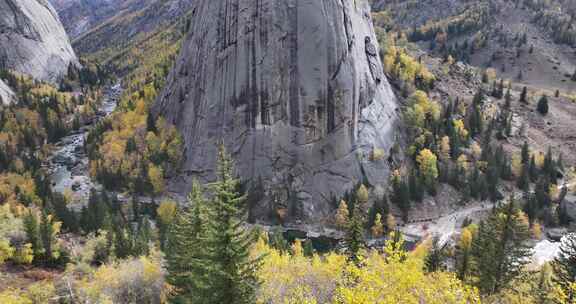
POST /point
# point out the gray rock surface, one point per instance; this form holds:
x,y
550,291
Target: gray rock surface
x,y
32,39
295,90
6,94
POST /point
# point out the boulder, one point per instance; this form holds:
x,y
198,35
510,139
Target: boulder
x,y
296,92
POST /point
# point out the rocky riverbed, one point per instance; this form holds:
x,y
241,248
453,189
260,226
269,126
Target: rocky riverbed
x,y
68,165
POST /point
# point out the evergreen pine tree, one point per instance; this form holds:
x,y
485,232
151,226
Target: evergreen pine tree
x,y
232,272
534,172
564,266
524,95
186,242
355,227
355,236
543,105
523,182
435,259
33,232
508,99
525,153
500,249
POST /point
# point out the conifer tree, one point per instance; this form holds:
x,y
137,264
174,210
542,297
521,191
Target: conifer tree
x,y
564,266
508,99
355,228
500,249
524,95
435,259
33,232
401,194
47,236
232,272
543,105
525,153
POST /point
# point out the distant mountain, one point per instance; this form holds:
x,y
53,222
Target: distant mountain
x,y
133,20
529,41
81,16
33,41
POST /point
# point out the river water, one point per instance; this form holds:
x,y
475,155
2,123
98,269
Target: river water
x,y
68,166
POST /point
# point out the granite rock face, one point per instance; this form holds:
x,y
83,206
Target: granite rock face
x,y
6,94
33,41
296,91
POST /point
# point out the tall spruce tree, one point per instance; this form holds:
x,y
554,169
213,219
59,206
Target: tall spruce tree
x,y
500,249
232,272
543,107
209,260
524,95
185,255
564,266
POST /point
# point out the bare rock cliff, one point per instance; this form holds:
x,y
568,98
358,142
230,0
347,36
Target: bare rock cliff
x,y
32,39
295,90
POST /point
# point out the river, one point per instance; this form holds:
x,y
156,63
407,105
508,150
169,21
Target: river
x,y
68,165
68,168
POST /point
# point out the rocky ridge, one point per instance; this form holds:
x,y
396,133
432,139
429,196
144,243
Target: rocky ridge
x,y
33,41
295,90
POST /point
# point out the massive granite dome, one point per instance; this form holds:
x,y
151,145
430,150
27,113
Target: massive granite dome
x,y
32,39
294,89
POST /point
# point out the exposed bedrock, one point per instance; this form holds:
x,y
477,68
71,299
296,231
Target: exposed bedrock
x,y
33,41
294,89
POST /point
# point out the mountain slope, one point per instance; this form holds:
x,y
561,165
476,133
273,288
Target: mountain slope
x,y
296,92
122,30
33,40
81,16
515,38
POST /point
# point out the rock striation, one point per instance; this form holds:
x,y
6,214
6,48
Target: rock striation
x,y
33,41
296,91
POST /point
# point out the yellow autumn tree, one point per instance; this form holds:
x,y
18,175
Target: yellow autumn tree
x,y
342,214
362,194
397,277
390,222
156,177
377,228
460,129
445,148
428,165
463,163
